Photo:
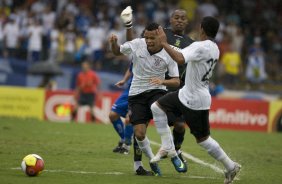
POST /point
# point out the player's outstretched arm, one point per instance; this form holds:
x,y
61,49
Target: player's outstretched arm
x,y
173,82
126,17
114,45
175,55
125,78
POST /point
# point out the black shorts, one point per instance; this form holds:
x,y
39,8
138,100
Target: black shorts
x,y
86,99
139,106
197,120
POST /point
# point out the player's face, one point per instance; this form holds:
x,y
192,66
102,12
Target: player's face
x,y
179,21
153,44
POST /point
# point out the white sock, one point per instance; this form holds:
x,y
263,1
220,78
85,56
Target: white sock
x,y
217,152
137,164
145,147
160,119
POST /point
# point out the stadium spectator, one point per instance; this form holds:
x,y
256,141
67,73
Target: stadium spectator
x,y
11,37
61,45
35,33
80,45
70,48
231,61
87,85
54,44
207,8
255,71
96,37
2,21
241,21
48,22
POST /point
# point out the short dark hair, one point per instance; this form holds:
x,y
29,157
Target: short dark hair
x,y
210,26
152,26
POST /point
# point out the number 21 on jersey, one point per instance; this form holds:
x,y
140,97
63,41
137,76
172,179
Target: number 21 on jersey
x,y
208,74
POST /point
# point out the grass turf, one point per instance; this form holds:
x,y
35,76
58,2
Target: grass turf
x,y
69,148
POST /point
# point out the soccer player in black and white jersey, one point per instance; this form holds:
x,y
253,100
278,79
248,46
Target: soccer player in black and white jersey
x,y
150,63
193,100
177,38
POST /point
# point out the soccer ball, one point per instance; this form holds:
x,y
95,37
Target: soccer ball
x,y
32,165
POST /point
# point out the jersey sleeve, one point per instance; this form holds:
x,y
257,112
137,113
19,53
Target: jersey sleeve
x,y
192,53
173,69
129,47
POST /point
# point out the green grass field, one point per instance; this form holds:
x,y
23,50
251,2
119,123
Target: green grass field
x,y
82,153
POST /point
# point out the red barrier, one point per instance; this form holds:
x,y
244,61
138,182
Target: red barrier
x,y
239,114
224,114
59,104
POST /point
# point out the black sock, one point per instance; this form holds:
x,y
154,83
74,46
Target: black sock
x,y
137,150
178,139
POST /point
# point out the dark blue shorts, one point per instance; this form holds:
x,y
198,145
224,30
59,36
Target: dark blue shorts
x,y
121,104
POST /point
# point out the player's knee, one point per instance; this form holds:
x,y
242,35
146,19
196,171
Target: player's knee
x,y
179,127
139,133
140,136
156,109
113,116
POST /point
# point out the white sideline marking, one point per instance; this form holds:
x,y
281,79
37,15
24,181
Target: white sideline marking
x,y
196,160
77,172
112,173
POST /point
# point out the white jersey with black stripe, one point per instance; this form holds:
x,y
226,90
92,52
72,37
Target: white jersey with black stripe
x,y
147,66
201,58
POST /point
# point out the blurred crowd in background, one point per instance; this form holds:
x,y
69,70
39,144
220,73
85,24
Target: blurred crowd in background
x,y
70,31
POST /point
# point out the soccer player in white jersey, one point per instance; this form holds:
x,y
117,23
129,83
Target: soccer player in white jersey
x,y
150,63
193,100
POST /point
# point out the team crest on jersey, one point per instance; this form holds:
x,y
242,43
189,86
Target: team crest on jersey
x,y
177,43
157,62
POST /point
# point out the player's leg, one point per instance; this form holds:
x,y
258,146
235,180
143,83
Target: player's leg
x,y
161,122
178,138
119,109
198,122
177,121
139,115
167,147
128,132
144,145
119,128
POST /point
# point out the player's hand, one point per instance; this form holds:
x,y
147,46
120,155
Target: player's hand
x,y
156,81
126,17
120,83
113,39
161,35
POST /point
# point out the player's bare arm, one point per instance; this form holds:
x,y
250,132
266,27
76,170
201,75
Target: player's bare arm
x,y
173,82
114,45
125,78
175,55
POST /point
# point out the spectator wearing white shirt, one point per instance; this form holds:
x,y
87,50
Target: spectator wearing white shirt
x,y
35,33
96,37
207,8
48,21
69,44
11,37
2,20
54,44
